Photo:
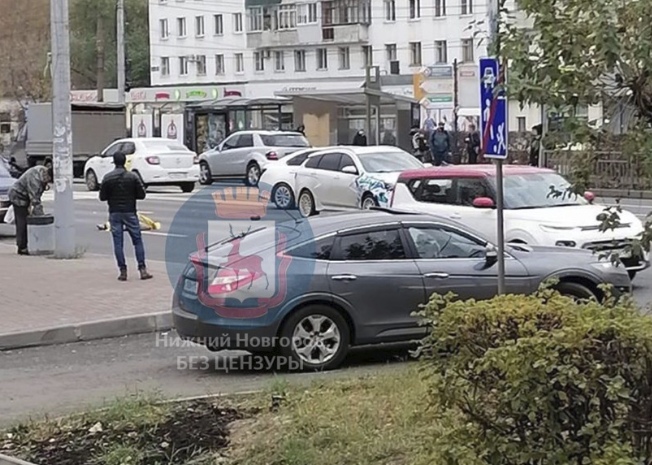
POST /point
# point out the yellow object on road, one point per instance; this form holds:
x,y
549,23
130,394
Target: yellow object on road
x,y
146,224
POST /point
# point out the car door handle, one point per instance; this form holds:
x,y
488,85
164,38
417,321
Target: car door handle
x,y
344,277
436,275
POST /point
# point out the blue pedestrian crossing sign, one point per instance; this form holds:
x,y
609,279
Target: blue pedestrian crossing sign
x,y
493,110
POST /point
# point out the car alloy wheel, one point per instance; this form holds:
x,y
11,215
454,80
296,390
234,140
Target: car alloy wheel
x,y
368,202
316,340
306,204
91,180
283,196
205,176
253,174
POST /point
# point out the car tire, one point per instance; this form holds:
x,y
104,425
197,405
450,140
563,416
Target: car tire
x,y
632,274
576,291
205,175
252,176
306,204
315,321
91,181
368,202
283,197
187,187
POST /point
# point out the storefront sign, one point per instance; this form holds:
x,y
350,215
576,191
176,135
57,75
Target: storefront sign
x,y
181,94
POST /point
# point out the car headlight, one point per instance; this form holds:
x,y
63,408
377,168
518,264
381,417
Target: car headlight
x,y
605,265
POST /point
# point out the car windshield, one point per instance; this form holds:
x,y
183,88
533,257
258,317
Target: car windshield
x,y
284,140
538,190
388,162
164,146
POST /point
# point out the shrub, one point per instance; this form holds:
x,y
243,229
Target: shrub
x,y
540,380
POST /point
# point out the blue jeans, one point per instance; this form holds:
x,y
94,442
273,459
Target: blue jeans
x,y
129,222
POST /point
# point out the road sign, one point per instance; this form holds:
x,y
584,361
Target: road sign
x,y
493,110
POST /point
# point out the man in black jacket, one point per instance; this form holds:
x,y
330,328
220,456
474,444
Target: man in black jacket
x,y
122,189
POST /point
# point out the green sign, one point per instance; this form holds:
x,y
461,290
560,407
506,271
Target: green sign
x,y
195,94
440,99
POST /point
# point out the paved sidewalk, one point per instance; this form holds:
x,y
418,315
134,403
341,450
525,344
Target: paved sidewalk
x,y
49,301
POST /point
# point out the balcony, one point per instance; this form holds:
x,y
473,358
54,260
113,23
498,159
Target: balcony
x,y
345,34
313,34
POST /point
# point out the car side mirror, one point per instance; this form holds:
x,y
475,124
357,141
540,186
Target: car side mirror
x,y
350,169
589,196
491,254
483,202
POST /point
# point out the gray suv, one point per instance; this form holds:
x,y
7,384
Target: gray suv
x,y
245,154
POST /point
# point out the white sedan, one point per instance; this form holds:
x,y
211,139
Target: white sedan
x,y
158,162
279,179
339,178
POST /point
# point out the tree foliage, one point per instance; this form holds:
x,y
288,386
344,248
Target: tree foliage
x,y
541,380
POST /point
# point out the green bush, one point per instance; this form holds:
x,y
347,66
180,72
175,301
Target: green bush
x,y
540,380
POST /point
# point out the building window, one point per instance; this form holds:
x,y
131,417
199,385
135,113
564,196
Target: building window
x,y
259,61
415,53
201,65
390,51
255,19
307,13
390,10
467,7
520,121
286,17
279,61
199,26
165,30
345,58
467,50
183,66
322,58
219,25
300,60
219,65
440,8
441,51
237,22
165,66
239,63
415,9
368,55
181,27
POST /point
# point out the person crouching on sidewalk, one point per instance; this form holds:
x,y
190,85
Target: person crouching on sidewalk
x,y
122,189
25,196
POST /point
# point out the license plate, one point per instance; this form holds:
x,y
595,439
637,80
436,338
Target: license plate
x,y
190,286
177,175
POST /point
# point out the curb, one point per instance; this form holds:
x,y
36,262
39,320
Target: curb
x,y
6,460
117,327
623,193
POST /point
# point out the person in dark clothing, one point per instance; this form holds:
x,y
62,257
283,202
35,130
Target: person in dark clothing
x,y
121,189
360,138
440,145
420,145
473,145
535,146
25,196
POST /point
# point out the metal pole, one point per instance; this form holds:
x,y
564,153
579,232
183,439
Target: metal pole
x,y
120,24
64,211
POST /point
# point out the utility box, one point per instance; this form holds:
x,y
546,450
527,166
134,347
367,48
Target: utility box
x,y
40,235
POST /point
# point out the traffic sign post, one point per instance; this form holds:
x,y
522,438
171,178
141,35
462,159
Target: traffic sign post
x,y
493,124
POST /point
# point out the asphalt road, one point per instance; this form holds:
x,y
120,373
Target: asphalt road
x,y
63,379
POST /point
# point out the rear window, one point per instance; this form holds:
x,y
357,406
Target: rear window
x,y
284,140
165,146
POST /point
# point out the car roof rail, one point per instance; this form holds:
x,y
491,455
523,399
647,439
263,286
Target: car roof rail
x,y
392,211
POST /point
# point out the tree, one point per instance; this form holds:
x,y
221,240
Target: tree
x,y
568,52
85,16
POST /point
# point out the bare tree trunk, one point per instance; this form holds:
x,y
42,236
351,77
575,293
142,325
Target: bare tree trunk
x,y
100,58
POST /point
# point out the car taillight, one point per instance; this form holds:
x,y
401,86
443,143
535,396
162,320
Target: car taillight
x,y
195,160
228,281
153,160
271,155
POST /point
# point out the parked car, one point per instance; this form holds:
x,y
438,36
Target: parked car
x,y
280,177
369,270
534,215
350,177
245,154
6,181
158,162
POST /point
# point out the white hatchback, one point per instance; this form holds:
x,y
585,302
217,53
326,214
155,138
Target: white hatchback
x,y
158,162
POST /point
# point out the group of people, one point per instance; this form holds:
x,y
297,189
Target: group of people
x,y
436,146
120,188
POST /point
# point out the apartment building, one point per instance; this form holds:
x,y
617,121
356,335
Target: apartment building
x,y
273,46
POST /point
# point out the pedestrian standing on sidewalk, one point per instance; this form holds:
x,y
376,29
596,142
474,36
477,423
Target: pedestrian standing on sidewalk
x,y
121,189
25,196
473,145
